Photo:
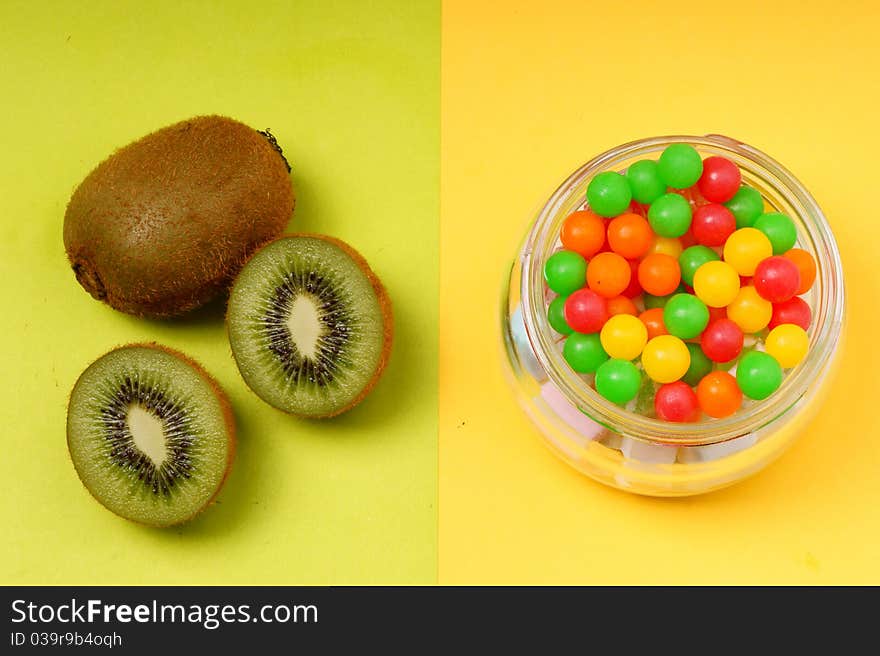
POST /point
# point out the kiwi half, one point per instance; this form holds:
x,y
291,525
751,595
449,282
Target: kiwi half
x,y
151,434
310,325
163,225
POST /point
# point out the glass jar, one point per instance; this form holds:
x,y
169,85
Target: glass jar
x,y
640,454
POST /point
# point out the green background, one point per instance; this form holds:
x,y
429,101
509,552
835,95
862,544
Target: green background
x,y
351,91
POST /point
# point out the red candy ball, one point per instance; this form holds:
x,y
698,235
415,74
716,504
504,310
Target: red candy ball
x,y
794,310
722,340
676,402
634,288
712,224
777,279
585,311
720,180
717,313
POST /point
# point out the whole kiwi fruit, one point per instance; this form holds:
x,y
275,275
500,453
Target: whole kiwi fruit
x,y
163,225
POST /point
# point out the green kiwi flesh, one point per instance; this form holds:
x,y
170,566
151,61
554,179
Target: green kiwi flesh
x,y
163,225
150,434
310,325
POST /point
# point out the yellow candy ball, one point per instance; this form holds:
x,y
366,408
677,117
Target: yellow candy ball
x,y
745,248
624,336
787,343
749,311
670,246
666,359
716,283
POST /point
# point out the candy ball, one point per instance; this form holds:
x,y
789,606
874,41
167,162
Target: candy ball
x,y
758,375
749,311
794,310
722,341
806,267
585,311
583,232
746,206
659,274
653,320
608,274
666,358
716,284
718,394
712,224
584,353
668,246
745,248
621,305
692,258
624,336
618,381
720,180
685,316
556,316
699,367
787,343
634,288
670,215
608,194
777,279
565,272
630,236
779,229
680,166
644,181
676,402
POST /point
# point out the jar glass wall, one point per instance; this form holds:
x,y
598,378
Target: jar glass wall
x,y
641,454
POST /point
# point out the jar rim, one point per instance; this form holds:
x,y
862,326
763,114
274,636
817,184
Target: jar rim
x,y
828,307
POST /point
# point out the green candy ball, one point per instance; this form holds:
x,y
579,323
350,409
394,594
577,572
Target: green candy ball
x,y
680,166
584,353
699,367
692,258
758,375
652,301
685,316
556,316
645,182
618,381
746,206
670,215
565,272
609,194
779,229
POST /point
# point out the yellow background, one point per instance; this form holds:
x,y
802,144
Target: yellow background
x,y
531,90
350,89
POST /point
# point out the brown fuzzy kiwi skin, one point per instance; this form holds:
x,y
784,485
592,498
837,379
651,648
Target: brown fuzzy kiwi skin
x,y
164,224
387,321
228,418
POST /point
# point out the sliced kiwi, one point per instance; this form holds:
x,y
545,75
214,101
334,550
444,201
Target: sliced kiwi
x,y
150,433
310,325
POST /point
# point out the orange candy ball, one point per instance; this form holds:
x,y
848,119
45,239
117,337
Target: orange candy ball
x,y
659,274
718,394
583,232
806,266
621,305
653,320
608,274
630,236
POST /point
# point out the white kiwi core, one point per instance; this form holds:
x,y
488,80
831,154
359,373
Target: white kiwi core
x,y
147,432
304,324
